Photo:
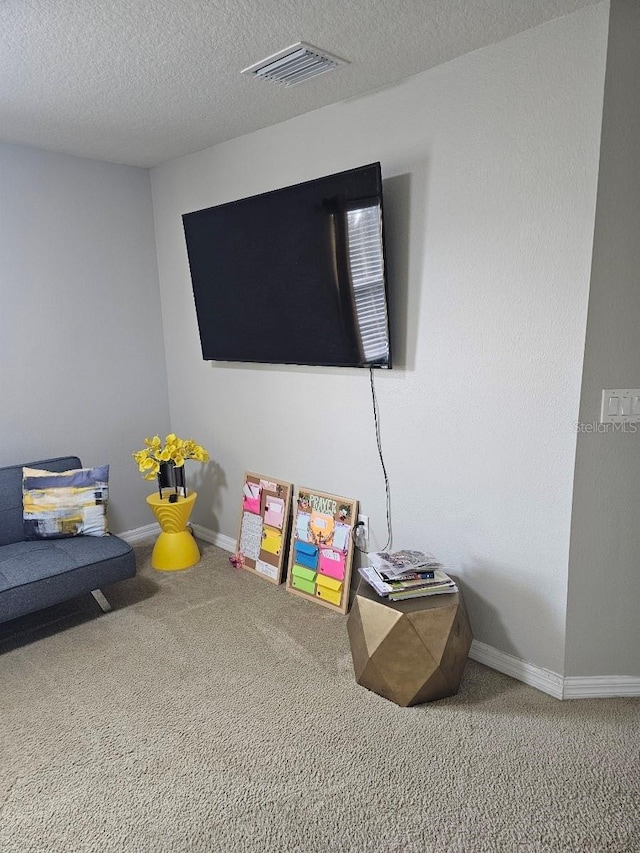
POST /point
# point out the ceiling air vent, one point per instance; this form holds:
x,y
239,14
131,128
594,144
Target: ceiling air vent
x,y
294,64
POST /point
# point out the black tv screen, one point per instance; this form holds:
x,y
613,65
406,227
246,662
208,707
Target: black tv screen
x,y
295,275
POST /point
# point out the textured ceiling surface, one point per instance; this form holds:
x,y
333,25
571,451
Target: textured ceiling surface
x,y
144,81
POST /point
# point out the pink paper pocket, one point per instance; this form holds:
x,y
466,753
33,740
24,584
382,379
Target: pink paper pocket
x,y
332,563
251,497
274,512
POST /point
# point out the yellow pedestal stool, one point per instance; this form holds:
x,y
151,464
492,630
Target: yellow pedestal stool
x,y
175,547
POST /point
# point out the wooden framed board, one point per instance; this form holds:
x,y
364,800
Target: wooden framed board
x,y
264,525
321,552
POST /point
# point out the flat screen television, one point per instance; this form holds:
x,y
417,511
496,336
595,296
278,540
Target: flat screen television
x,y
295,275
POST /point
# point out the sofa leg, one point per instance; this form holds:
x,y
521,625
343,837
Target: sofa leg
x,y
102,601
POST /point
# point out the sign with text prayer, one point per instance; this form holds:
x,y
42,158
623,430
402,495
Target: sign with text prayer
x,y
321,552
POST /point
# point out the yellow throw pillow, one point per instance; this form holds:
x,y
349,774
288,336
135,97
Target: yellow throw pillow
x,y
72,503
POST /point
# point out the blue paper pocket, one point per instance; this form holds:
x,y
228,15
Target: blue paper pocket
x,y
306,554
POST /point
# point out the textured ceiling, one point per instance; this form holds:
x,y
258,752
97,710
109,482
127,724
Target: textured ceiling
x,y
143,81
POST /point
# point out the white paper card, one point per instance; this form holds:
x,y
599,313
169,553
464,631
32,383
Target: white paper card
x,y
251,535
341,536
302,526
266,569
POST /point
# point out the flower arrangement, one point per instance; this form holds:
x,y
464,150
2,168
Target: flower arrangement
x,y
174,450
237,560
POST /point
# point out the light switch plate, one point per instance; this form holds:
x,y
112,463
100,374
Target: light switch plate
x,y
620,406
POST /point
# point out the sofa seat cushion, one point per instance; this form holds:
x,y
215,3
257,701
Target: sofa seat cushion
x,y
23,563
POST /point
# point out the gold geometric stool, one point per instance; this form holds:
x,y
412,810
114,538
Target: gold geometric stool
x,y
410,651
175,547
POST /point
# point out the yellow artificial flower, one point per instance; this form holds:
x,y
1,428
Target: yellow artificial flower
x,y
174,449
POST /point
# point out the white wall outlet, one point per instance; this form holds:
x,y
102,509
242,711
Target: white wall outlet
x,y
362,532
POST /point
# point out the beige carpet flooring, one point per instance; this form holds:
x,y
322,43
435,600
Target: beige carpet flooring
x,y
211,711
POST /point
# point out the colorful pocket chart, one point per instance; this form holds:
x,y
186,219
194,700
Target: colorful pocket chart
x,y
321,552
264,525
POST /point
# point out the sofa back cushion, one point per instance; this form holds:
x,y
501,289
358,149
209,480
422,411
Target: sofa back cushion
x,y
11,523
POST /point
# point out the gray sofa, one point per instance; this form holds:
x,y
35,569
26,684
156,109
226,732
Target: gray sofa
x,y
37,574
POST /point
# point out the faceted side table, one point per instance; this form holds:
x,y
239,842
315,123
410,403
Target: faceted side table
x,y
410,651
175,547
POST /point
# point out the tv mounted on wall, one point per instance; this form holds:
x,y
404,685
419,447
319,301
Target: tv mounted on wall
x,y
295,275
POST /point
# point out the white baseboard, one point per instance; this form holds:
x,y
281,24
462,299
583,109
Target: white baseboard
x,y
543,679
601,686
139,534
582,687
215,538
150,531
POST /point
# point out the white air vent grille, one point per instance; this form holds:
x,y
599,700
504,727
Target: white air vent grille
x,y
294,64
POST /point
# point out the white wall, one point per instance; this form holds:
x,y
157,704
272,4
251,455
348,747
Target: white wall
x,y
603,628
81,352
490,166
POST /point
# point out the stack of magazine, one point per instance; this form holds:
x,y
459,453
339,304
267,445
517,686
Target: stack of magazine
x,y
406,574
